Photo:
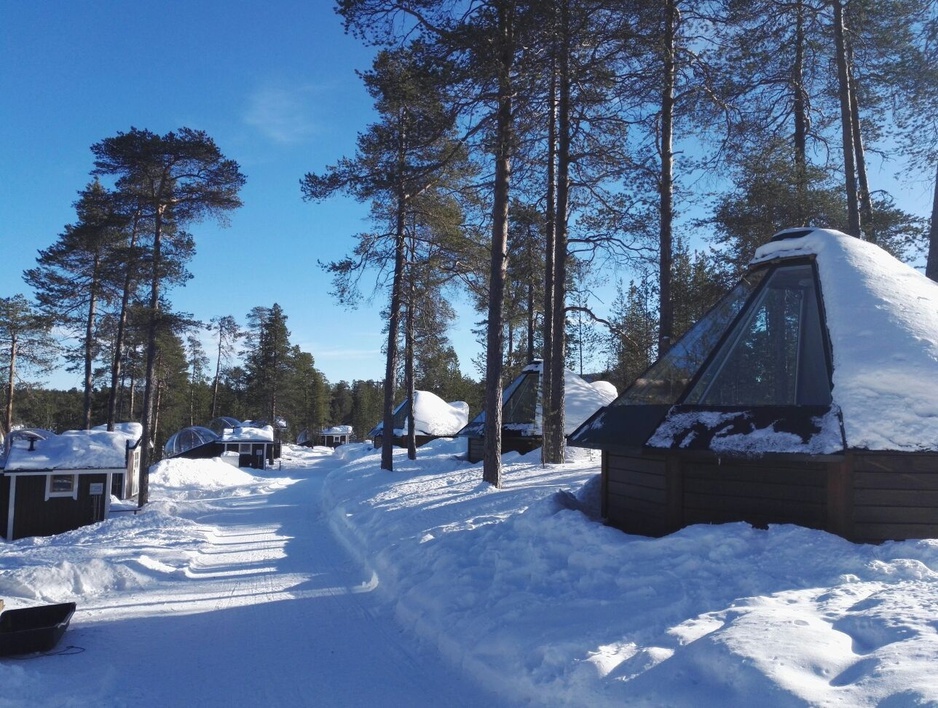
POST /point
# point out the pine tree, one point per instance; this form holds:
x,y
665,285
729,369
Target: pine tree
x,y
79,275
228,333
402,163
198,378
269,364
171,181
308,394
633,338
25,344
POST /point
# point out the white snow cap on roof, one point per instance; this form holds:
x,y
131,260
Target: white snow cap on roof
x,y
73,450
605,389
582,399
882,318
337,430
434,416
248,433
132,430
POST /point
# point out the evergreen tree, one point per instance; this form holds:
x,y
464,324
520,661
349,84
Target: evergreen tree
x,y
171,403
79,274
310,395
228,333
341,407
700,280
633,339
811,74
48,409
198,377
773,192
25,344
402,160
269,364
915,112
172,181
365,407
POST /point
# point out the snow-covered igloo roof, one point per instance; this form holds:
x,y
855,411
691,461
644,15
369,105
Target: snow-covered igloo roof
x,y
432,416
521,402
863,376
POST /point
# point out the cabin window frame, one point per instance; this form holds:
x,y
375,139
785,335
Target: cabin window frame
x,y
53,493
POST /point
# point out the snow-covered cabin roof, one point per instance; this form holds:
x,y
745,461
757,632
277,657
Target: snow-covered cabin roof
x,y
337,430
521,402
878,328
134,430
248,433
71,450
432,416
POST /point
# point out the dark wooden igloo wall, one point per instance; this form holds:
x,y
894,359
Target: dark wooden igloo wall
x,y
862,496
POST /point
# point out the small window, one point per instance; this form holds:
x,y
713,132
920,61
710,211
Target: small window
x,y
244,448
62,485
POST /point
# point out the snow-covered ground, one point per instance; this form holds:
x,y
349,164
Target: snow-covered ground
x,y
332,582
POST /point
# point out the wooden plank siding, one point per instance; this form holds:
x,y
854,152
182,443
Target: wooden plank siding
x,y
476,449
510,443
636,493
895,496
721,490
4,504
862,496
36,516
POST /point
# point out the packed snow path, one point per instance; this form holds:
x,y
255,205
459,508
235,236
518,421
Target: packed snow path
x,y
273,613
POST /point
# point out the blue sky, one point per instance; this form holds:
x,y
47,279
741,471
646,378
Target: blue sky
x,y
272,82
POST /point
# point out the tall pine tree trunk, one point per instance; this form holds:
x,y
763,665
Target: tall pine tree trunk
x,y
554,447
666,186
411,394
800,110
390,372
118,359
150,378
864,201
550,241
931,266
89,350
498,264
846,120
11,385
530,300
217,373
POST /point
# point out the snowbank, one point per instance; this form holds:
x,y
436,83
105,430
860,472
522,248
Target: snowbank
x,y
526,591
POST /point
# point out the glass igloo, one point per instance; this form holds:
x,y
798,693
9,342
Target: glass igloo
x,y
188,439
807,395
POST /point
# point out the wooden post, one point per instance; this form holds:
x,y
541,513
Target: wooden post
x,y
840,496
